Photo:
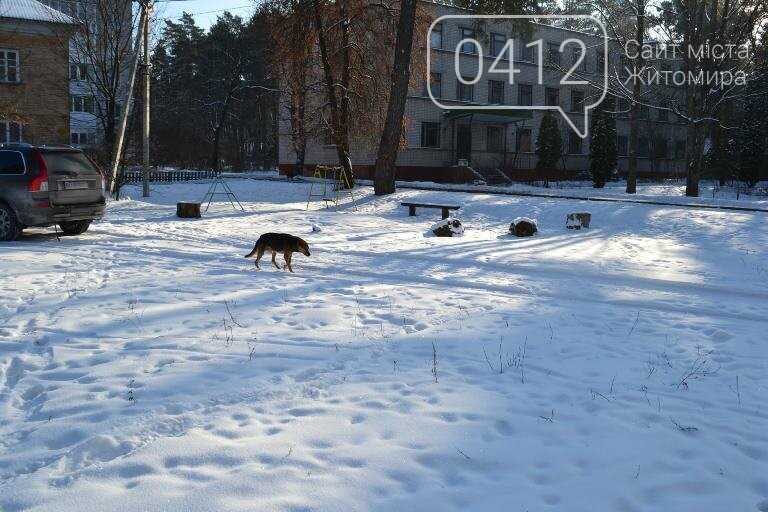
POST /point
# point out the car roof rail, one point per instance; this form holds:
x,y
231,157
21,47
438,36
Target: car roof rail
x,y
57,146
15,144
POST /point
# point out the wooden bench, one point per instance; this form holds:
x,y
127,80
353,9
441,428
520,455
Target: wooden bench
x,y
444,207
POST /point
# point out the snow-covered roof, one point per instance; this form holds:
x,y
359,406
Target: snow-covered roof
x,y
32,10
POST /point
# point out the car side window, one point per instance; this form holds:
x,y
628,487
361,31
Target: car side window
x,y
11,162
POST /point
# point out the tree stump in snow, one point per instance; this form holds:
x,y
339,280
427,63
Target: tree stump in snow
x,y
523,226
578,220
188,210
448,227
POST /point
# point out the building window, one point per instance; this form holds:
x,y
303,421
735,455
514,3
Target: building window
x,y
574,143
643,112
526,52
576,55
622,145
625,66
430,135
9,66
10,132
525,94
435,85
680,149
660,148
553,54
11,162
78,71
643,147
495,92
495,138
79,138
622,107
436,36
577,101
524,140
328,139
468,33
465,92
601,62
552,96
74,8
82,104
663,112
497,44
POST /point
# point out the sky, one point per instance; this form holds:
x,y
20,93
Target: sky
x,y
205,11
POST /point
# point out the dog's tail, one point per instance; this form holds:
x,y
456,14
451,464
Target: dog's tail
x,y
255,249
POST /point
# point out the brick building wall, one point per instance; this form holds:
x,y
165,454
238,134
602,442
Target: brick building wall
x,y
38,99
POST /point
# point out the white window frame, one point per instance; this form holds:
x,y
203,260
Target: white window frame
x,y
81,71
436,33
77,104
433,125
467,33
88,138
4,52
495,49
5,132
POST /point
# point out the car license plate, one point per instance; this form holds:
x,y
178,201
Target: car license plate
x,y
75,185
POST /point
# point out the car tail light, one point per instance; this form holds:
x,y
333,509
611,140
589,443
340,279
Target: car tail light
x,y
40,184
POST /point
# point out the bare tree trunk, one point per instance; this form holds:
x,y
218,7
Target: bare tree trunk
x,y
695,140
233,85
298,129
694,159
339,111
384,174
634,123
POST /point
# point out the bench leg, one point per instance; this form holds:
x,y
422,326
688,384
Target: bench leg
x,y
411,211
445,213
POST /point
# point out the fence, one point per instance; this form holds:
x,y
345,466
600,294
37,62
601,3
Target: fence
x,y
135,176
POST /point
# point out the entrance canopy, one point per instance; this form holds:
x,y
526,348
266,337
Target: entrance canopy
x,y
490,115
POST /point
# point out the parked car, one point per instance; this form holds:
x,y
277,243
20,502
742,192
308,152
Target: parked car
x,y
42,185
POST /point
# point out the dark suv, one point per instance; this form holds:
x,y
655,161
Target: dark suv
x,y
47,185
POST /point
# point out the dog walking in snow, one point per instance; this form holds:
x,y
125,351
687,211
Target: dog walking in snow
x,y
279,242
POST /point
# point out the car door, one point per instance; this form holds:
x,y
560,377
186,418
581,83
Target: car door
x,y
72,178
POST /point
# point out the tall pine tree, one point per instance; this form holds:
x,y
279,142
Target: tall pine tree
x,y
603,153
549,146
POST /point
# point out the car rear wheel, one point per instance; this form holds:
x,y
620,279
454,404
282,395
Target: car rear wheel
x,y
9,226
75,227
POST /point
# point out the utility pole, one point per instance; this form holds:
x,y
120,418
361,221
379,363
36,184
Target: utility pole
x,y
118,151
147,7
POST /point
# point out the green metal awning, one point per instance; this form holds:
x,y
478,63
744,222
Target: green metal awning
x,y
490,115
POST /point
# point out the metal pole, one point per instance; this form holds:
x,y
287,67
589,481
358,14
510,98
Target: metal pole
x,y
145,133
118,149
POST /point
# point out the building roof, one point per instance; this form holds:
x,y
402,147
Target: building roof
x,y
32,10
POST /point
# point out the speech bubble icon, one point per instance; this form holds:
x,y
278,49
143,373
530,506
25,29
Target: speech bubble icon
x,y
468,47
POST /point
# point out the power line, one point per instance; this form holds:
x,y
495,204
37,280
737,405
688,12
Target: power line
x,y
201,12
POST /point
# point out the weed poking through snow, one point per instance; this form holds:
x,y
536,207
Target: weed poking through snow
x,y
434,361
131,397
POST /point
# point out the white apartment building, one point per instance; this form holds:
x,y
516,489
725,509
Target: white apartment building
x,y
86,127
499,145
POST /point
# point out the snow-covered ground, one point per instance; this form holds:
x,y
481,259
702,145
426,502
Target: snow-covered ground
x,y
148,366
